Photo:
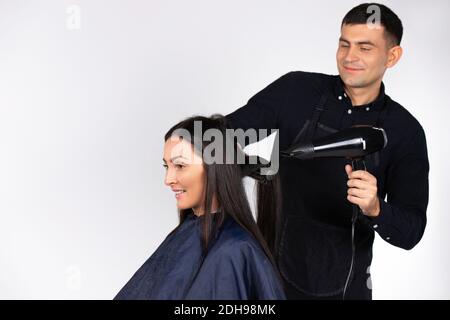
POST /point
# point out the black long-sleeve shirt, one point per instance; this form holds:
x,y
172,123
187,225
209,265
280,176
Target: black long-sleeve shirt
x,y
315,245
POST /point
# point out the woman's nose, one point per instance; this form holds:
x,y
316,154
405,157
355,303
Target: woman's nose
x,y
170,177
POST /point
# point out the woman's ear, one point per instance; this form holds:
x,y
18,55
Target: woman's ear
x,y
394,55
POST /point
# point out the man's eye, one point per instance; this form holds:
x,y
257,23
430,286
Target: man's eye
x,y
165,166
344,45
365,49
179,166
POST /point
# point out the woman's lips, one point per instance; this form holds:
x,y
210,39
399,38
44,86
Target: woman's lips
x,y
179,194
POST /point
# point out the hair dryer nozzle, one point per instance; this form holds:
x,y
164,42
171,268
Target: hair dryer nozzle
x,y
354,142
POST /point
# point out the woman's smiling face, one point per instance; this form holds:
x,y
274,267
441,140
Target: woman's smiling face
x,y
185,174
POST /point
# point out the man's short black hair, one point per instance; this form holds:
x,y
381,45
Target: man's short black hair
x,y
388,19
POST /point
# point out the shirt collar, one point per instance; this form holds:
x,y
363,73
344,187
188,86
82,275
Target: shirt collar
x,y
377,104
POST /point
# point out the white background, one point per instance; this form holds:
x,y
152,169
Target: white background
x,y
83,113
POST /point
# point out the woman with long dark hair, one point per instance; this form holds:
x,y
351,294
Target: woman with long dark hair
x,y
218,250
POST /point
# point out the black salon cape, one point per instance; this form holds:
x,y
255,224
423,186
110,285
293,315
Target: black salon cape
x,y
234,268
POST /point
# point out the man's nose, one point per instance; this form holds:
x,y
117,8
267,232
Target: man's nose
x,y
351,55
170,177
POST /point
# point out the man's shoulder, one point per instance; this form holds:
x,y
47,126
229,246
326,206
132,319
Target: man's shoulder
x,y
304,82
310,76
404,118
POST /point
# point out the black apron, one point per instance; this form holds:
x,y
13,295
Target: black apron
x,y
315,247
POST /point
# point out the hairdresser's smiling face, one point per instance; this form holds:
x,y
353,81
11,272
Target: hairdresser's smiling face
x,y
363,55
185,174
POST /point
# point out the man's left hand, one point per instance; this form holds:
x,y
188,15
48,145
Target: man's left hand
x,y
362,191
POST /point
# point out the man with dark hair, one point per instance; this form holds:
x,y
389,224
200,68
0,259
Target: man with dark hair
x,y
393,28
319,256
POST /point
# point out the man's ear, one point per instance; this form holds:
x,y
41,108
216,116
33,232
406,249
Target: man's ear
x,y
394,55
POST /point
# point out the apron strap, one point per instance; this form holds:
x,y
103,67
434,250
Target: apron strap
x,y
383,113
311,128
379,124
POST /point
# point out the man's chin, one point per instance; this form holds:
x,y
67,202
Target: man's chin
x,y
353,82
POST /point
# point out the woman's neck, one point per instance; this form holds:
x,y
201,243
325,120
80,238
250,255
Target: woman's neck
x,y
200,212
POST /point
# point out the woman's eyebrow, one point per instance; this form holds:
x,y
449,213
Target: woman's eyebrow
x,y
176,157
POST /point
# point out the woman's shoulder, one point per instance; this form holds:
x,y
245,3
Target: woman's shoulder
x,y
235,240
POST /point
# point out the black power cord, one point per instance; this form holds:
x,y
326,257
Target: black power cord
x,y
357,164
